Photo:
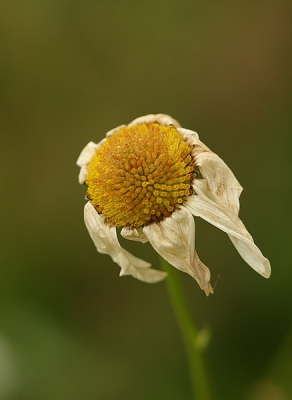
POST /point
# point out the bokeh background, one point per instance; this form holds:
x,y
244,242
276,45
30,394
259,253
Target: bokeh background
x,y
71,70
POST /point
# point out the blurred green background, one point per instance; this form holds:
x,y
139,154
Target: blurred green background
x,y
71,70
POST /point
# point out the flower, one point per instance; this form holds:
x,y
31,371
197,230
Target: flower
x,y
150,178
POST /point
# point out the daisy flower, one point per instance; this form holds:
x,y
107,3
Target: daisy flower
x,y
150,178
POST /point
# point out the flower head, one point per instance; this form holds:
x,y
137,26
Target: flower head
x,y
150,178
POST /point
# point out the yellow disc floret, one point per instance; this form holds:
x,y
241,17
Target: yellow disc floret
x,y
140,174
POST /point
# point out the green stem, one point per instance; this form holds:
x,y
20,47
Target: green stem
x,y
194,345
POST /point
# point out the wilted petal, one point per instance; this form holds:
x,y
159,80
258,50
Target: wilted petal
x,y
86,154
142,270
174,238
162,119
202,205
85,157
109,133
105,239
135,234
82,174
188,132
221,179
193,140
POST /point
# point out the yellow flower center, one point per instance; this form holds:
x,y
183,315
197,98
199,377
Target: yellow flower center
x,y
140,174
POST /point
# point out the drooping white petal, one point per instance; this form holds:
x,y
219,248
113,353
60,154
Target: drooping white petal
x,y
132,233
104,237
203,205
142,270
173,238
221,179
162,119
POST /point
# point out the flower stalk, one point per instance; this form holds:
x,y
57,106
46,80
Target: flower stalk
x,y
194,341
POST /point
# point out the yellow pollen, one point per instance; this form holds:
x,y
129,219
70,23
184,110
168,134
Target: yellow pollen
x,y
140,174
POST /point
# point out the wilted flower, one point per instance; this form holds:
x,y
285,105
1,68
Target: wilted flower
x,y
150,178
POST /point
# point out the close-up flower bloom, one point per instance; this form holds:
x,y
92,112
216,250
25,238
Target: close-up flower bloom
x,y
150,178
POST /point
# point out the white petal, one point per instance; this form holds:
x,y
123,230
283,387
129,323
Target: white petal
x,y
221,179
135,234
105,239
162,119
82,174
193,140
173,238
85,157
142,270
109,133
86,154
188,132
203,206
